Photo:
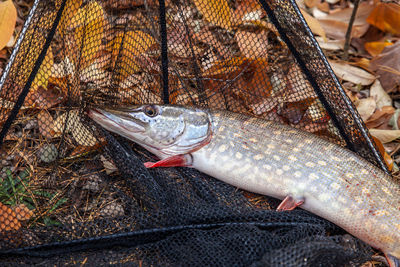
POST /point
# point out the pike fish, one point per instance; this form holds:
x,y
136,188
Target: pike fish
x,y
271,159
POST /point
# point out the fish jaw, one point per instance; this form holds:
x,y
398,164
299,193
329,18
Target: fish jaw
x,y
116,124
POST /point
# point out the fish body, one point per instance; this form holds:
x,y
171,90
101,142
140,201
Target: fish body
x,y
270,159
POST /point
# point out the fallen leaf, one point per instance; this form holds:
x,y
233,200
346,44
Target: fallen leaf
x,y
88,23
8,18
266,105
311,3
324,7
72,8
43,98
67,121
22,212
246,11
385,136
109,166
386,157
380,118
126,50
317,112
11,42
207,37
80,150
253,45
71,123
336,23
385,16
82,135
62,69
330,44
94,73
314,25
43,75
381,97
216,12
89,13
394,120
366,107
352,74
46,124
375,48
387,66
8,219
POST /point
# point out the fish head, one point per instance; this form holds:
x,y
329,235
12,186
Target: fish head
x,y
164,130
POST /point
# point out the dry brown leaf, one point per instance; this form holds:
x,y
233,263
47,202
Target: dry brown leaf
x,y
375,48
44,73
8,219
387,66
43,98
380,118
330,44
314,25
292,92
222,68
385,17
46,124
94,73
22,212
336,23
82,135
362,63
381,97
134,44
91,12
216,12
62,69
311,3
317,112
324,7
67,121
88,23
80,150
71,6
207,37
109,166
385,136
246,11
8,18
366,107
253,45
387,158
352,74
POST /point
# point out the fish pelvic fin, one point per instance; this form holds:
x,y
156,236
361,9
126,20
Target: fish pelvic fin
x,y
393,261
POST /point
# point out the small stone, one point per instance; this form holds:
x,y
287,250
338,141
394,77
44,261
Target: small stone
x,y
48,153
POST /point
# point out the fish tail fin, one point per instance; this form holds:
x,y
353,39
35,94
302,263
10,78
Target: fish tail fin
x,y
393,261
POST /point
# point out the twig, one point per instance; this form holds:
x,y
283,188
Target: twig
x,y
349,28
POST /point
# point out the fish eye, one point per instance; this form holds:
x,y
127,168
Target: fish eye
x,y
150,111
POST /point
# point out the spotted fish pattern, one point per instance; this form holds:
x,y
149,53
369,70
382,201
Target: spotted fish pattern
x,y
275,160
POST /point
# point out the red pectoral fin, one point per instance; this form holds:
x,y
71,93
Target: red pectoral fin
x,y
173,161
393,261
289,203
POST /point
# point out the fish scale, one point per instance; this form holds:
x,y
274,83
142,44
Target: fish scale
x,y
279,161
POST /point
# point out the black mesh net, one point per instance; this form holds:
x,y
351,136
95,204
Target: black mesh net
x,y
72,193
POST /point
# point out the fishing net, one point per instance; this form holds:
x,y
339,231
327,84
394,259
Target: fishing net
x,y
72,193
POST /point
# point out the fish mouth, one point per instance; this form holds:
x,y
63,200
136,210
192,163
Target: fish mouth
x,y
116,121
